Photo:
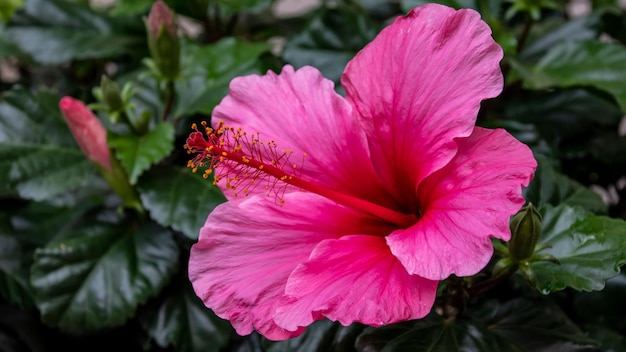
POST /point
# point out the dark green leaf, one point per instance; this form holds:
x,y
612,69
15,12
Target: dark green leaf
x,y
518,325
597,64
184,322
565,114
209,69
56,31
20,331
407,5
551,187
604,307
14,266
206,73
321,336
53,46
7,47
131,7
137,153
609,340
39,159
37,223
330,40
245,5
179,198
97,276
590,249
550,34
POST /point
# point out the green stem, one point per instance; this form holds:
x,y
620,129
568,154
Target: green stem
x,y
492,282
524,35
169,102
118,180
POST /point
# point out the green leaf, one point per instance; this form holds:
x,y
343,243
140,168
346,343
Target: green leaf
x,y
131,7
178,198
546,34
517,325
28,226
603,308
590,249
330,40
206,73
565,115
608,339
37,223
596,64
97,276
407,5
322,335
551,187
137,153
208,70
14,266
184,322
8,7
39,158
21,331
55,31
245,5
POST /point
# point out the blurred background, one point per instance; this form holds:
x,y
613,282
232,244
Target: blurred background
x,y
93,257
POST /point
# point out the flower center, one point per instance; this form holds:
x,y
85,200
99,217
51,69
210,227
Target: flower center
x,y
247,163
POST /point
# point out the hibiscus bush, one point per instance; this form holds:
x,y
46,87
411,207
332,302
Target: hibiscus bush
x,y
312,176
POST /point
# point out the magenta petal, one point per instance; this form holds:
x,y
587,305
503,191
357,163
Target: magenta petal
x,y
355,279
301,111
464,204
418,85
247,250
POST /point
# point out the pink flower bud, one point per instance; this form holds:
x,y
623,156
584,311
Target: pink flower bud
x,y
163,41
161,15
87,130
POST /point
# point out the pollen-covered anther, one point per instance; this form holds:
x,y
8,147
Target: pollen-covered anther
x,y
240,159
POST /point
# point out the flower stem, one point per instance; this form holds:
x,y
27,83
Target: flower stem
x,y
169,102
492,282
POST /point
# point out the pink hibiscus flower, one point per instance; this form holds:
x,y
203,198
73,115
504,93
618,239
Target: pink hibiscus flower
x,y
356,207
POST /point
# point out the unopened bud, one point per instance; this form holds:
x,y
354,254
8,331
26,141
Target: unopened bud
x,y
111,94
525,232
87,131
163,41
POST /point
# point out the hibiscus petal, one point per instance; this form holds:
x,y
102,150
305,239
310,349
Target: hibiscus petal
x,y
301,111
464,204
418,85
247,250
355,279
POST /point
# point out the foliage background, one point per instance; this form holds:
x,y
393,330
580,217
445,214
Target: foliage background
x,y
79,271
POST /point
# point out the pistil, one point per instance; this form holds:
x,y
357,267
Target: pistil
x,y
247,160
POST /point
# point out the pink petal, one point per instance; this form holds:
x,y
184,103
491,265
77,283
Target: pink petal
x,y
355,279
247,249
418,85
464,204
301,111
